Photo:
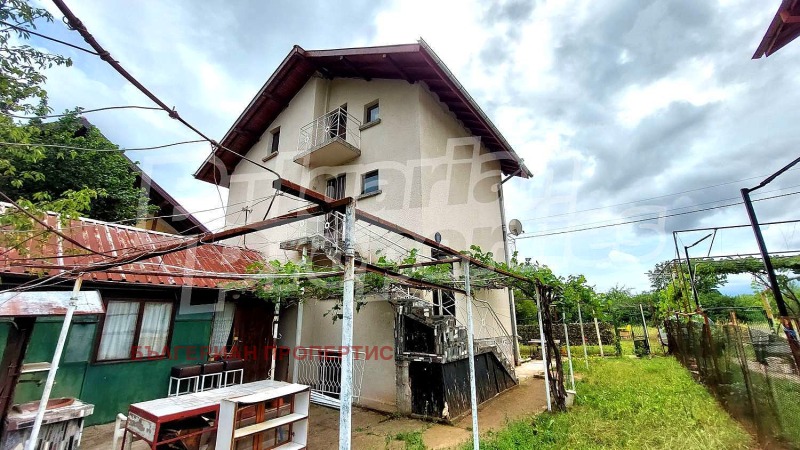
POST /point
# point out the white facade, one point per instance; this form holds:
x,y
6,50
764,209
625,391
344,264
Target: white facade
x,y
433,177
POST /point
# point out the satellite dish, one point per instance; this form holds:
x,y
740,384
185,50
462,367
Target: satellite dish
x,y
515,227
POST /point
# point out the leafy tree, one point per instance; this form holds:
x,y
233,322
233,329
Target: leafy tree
x,y
107,176
42,178
21,66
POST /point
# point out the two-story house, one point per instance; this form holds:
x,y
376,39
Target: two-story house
x,y
392,127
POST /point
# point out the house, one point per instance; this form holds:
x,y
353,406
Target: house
x,y
170,216
392,127
159,312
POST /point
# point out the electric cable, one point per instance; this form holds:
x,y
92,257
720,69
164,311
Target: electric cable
x,y
83,111
650,218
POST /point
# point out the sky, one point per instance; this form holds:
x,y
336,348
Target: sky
x,y
624,110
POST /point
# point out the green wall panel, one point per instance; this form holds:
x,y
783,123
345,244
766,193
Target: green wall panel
x,y
111,387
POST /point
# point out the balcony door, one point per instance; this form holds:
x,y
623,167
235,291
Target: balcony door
x,y
338,124
334,189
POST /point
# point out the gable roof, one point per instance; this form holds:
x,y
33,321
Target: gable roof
x,y
410,62
783,29
169,210
205,266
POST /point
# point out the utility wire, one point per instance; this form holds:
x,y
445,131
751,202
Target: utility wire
x,y
75,23
532,219
27,31
83,111
120,150
666,211
652,218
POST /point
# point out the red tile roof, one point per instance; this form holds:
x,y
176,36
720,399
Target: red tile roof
x,y
203,266
410,62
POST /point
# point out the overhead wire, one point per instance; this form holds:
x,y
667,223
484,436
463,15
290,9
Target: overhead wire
x,y
82,111
546,233
101,150
532,219
28,31
666,211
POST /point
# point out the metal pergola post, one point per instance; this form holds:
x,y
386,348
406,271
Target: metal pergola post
x,y
348,299
543,346
473,391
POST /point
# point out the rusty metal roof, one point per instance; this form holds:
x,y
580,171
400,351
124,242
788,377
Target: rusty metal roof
x,y
49,303
205,266
783,29
410,62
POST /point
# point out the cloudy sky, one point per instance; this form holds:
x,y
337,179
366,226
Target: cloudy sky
x,y
624,110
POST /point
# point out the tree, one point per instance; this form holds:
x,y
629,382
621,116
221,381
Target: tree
x,y
21,66
38,177
58,170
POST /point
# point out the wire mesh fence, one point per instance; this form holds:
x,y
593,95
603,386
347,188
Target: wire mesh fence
x,y
626,331
745,361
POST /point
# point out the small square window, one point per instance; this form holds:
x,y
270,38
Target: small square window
x,y
372,112
276,139
370,182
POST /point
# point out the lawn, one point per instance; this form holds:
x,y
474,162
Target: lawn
x,y
630,403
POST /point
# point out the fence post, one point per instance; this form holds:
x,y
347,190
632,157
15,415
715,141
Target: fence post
x,y
597,329
646,334
583,337
569,352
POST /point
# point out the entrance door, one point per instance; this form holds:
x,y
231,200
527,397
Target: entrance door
x,y
252,326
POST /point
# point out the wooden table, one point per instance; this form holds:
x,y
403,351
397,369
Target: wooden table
x,y
145,419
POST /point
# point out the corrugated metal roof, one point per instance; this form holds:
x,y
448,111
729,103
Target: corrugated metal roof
x,y
49,303
205,266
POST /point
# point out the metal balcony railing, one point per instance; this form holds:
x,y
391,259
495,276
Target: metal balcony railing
x,y
335,126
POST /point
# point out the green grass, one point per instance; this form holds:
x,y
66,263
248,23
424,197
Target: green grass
x,y
630,403
412,439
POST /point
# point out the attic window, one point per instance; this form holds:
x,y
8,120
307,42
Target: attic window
x,y
276,139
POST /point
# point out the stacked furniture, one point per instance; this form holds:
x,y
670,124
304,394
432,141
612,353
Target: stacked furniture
x,y
189,378
273,419
212,418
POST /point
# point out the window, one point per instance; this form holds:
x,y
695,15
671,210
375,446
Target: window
x,y
276,139
370,182
372,112
133,329
335,187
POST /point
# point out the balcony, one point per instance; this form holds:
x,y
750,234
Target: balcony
x,y
330,140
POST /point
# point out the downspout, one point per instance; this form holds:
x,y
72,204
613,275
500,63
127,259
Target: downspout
x,y
511,305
